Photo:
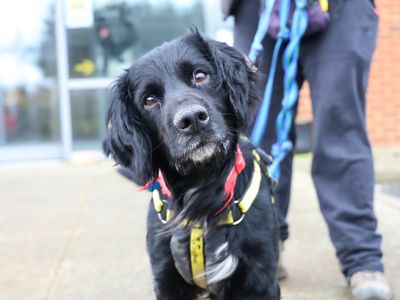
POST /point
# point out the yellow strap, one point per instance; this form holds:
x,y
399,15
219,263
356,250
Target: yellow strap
x,y
169,215
324,5
228,220
256,155
252,191
258,159
158,203
197,257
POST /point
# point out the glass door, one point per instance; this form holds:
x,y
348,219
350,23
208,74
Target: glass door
x,y
29,110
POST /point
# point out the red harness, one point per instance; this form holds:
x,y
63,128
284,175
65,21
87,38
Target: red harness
x,y
230,182
229,186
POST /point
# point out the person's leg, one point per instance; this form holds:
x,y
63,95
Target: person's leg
x,y
246,20
336,64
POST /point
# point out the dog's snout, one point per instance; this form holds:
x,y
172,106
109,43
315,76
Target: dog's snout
x,y
191,119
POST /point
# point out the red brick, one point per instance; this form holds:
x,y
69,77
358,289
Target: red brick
x,y
383,98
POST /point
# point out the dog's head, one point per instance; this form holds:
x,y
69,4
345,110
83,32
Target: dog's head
x,y
183,103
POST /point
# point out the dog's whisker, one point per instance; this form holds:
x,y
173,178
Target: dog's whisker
x,y
158,146
228,115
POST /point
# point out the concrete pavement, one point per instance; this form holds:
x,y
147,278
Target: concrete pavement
x,y
78,232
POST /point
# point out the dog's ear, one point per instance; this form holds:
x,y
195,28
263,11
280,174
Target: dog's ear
x,y
128,140
238,75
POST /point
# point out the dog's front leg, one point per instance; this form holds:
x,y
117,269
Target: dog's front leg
x,y
168,283
246,294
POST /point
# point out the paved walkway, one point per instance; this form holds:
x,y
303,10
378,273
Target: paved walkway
x,y
77,232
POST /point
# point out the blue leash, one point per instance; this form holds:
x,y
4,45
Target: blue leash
x,y
290,62
256,48
262,28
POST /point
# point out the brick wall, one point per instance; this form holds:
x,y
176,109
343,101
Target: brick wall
x,y
383,98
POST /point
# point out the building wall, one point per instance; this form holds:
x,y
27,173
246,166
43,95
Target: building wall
x,y
383,98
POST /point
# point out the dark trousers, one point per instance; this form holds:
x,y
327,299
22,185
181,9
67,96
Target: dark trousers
x,y
336,65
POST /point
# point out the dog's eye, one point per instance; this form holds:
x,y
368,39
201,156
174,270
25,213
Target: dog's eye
x,y
199,77
149,101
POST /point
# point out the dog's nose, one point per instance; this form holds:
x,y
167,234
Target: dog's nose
x,y
191,119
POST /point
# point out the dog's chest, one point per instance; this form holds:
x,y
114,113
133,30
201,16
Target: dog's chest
x,y
203,258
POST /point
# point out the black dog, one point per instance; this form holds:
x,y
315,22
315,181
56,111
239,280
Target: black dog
x,y
175,122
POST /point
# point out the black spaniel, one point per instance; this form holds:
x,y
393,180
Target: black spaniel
x,y
175,122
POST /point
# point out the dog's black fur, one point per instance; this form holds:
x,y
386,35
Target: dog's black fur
x,y
189,129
